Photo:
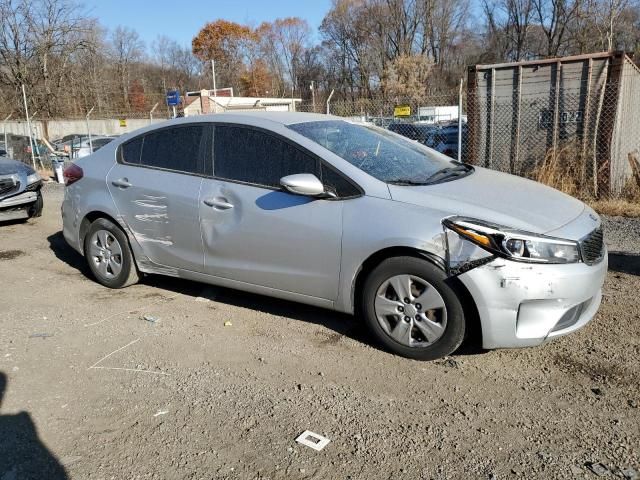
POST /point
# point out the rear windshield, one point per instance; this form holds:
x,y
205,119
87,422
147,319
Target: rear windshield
x,y
375,151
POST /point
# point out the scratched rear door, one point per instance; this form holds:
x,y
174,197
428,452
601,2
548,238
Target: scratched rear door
x,y
155,186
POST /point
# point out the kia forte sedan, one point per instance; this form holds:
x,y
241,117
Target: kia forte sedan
x,y
349,217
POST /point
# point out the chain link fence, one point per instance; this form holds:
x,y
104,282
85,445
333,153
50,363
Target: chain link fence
x,y
582,137
584,141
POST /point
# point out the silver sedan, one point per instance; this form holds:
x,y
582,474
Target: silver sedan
x,y
350,217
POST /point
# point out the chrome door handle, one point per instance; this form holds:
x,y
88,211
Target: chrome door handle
x,y
218,202
121,183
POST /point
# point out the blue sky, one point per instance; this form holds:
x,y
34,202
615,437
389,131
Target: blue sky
x,y
181,20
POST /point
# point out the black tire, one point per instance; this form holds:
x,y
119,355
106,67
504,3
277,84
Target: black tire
x,y
454,326
128,274
36,209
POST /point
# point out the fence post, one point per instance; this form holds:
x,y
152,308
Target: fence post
x,y
489,158
89,130
460,121
4,129
151,112
26,112
515,134
329,100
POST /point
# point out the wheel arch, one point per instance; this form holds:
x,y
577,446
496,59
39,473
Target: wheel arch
x,y
472,317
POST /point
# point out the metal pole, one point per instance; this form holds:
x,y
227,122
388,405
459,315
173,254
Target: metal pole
x,y
460,122
556,113
26,112
4,128
35,143
515,159
151,112
329,100
313,96
491,118
215,90
89,130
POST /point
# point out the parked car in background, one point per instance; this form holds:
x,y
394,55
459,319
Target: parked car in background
x,y
80,147
445,140
20,195
409,130
3,150
350,217
77,137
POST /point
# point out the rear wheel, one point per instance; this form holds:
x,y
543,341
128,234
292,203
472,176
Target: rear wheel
x,y
107,251
411,310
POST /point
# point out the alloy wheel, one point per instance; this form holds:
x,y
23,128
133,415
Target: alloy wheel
x,y
410,310
106,253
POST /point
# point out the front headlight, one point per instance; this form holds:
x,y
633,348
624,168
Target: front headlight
x,y
33,178
515,244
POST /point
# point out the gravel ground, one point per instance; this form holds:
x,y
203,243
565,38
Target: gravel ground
x,y
95,391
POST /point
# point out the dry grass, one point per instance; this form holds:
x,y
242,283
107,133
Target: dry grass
x,y
622,208
563,169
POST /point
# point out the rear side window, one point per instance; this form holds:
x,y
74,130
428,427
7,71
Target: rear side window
x,y
182,149
174,149
130,151
251,156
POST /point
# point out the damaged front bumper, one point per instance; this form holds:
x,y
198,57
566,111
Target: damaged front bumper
x,y
523,304
17,207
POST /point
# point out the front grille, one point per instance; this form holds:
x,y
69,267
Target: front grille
x,y
8,186
592,247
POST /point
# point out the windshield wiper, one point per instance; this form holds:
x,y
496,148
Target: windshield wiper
x,y
448,173
404,182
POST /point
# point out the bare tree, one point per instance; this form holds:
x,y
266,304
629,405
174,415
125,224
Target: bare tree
x,y
126,49
555,18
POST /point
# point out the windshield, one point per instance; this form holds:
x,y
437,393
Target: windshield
x,y
375,151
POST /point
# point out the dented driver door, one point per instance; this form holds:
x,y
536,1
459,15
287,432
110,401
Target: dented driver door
x,y
256,233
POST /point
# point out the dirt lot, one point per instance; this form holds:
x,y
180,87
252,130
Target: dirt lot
x,y
95,391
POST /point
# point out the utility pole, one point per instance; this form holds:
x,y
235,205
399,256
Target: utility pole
x,y
215,91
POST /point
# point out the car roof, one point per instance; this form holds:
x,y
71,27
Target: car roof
x,y
256,118
259,119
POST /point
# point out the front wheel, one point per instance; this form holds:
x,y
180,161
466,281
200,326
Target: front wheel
x,y
411,310
107,251
36,209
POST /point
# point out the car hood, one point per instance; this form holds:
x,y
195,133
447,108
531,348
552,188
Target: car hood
x,y
9,167
496,197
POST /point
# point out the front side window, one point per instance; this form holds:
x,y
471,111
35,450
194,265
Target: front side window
x,y
377,152
251,156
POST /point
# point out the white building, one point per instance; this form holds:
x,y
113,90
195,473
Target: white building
x,y
204,101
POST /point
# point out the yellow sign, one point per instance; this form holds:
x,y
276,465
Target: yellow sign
x,y
402,111
123,122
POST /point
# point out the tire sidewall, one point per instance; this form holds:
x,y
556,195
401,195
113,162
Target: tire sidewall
x,y
122,278
455,329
